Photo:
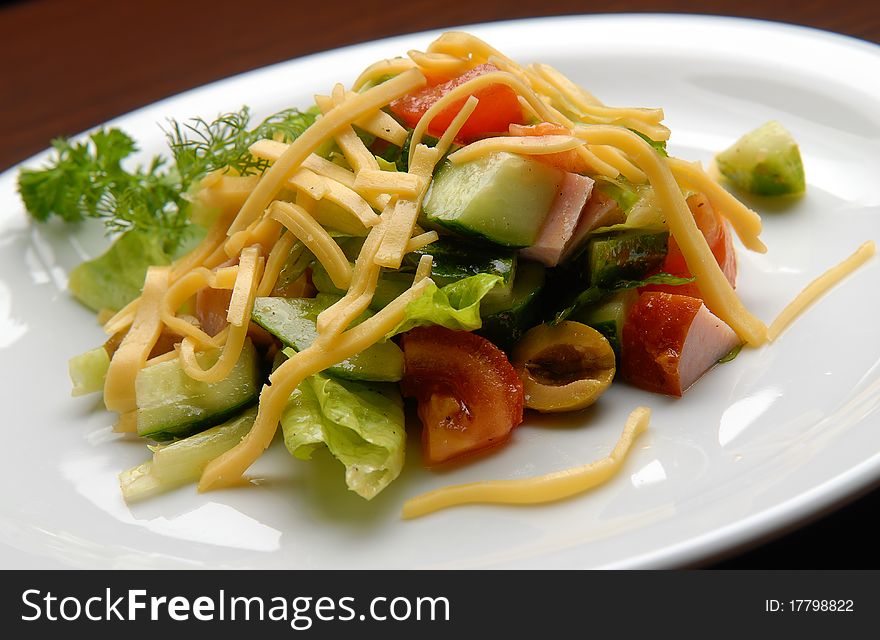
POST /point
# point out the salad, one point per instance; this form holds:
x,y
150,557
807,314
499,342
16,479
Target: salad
x,y
480,237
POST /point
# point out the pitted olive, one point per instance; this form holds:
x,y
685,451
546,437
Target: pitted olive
x,y
564,367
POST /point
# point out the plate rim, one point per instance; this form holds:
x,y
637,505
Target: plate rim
x,y
757,528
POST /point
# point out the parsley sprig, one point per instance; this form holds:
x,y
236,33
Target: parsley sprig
x,y
87,179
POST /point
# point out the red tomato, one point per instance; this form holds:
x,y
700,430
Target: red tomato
x,y
498,107
469,395
720,240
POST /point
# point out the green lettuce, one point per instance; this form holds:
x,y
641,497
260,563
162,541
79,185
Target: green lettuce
x,y
455,306
115,278
361,424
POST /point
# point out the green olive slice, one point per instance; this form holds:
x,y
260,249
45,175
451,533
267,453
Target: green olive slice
x,y
563,367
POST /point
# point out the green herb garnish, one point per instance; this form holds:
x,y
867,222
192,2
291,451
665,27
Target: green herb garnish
x,y
86,179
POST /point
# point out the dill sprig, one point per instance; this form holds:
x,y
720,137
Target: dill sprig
x,y
86,179
200,147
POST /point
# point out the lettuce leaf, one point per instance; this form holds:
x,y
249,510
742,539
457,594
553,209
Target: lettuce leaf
x,y
361,424
115,278
455,306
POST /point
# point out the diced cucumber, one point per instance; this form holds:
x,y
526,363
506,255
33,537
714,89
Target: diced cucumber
x,y
506,320
390,285
624,256
619,190
172,405
500,197
455,259
88,371
292,320
765,161
609,316
182,462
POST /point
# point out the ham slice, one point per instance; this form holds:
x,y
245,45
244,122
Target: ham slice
x,y
600,211
670,340
562,220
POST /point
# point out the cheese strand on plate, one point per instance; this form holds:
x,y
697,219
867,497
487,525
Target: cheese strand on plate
x,y
547,488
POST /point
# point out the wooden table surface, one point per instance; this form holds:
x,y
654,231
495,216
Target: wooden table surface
x,y
73,64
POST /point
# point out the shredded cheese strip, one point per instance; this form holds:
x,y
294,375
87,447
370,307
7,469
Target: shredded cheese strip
x,y
717,291
336,318
441,64
617,160
401,184
403,218
420,241
262,231
126,423
448,137
591,110
312,138
135,347
379,124
275,262
426,263
316,238
238,314
240,307
473,85
353,148
745,222
174,298
819,287
271,150
227,470
210,244
382,69
524,145
122,319
547,488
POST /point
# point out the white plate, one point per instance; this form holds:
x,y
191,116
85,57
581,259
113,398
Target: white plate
x,y
760,443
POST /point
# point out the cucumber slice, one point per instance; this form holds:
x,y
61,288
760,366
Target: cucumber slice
x,y
88,371
455,259
628,255
172,405
292,320
765,162
609,316
506,319
182,462
500,197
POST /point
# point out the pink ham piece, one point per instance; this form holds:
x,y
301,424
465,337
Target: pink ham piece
x,y
670,340
600,211
562,219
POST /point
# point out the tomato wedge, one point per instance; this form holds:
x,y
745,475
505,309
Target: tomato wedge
x,y
718,236
469,395
497,109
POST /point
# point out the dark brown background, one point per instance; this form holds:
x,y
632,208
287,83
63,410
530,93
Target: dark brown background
x,y
68,65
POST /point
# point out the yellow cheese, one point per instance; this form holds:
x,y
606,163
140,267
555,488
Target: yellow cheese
x,y
717,292
316,238
402,222
819,286
399,183
227,470
745,222
524,145
382,69
135,348
541,489
313,137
